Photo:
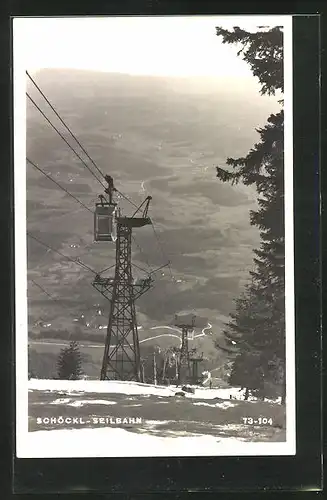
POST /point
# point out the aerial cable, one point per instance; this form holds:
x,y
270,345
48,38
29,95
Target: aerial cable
x,y
161,267
161,247
66,126
56,217
76,260
126,198
86,248
49,295
43,290
72,135
78,156
59,185
106,269
56,300
140,268
65,140
152,272
142,252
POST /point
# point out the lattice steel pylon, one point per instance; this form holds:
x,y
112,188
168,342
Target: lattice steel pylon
x,y
121,359
184,366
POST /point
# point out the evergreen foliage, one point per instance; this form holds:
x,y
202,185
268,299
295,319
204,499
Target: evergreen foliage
x,y
69,364
256,330
263,51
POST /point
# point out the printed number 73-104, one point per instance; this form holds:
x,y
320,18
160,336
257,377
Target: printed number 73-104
x,y
257,421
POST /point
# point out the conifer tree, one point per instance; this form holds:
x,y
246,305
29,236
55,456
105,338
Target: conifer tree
x,y
256,331
69,364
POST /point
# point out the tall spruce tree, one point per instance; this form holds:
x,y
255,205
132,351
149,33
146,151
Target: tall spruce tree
x,y
256,330
69,364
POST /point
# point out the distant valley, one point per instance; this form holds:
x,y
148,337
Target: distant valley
x,y
155,136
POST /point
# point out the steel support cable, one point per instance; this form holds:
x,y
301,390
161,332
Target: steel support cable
x,y
126,198
49,295
142,252
92,161
152,272
106,269
141,268
65,190
78,142
72,135
58,302
64,124
65,140
157,237
86,249
55,217
167,296
43,290
161,247
59,185
75,260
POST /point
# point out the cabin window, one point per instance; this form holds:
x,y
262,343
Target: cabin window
x,y
105,223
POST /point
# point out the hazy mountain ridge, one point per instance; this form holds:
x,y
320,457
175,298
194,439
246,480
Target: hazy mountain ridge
x,y
158,137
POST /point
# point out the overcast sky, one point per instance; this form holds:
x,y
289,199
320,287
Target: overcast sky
x,y
169,46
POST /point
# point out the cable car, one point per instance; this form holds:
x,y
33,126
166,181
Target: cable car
x,y
105,223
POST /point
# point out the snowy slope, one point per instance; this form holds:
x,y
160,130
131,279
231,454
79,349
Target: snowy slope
x,y
144,420
94,443
130,388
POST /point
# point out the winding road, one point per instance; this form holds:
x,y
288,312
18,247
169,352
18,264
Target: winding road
x,y
100,346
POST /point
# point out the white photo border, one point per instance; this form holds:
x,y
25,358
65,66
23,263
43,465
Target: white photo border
x,y
26,442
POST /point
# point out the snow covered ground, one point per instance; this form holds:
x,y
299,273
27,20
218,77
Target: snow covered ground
x,y
117,442
99,386
68,418
130,388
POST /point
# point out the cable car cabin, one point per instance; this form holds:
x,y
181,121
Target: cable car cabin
x,y
105,224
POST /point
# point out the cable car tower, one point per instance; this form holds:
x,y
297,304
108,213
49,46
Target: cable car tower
x,y
121,359
186,324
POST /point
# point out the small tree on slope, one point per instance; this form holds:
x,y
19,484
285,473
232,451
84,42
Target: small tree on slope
x,y
69,364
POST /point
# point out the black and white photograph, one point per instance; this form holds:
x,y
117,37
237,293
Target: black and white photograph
x,y
154,278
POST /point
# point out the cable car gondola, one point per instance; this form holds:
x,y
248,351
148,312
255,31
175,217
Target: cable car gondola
x,y
105,221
